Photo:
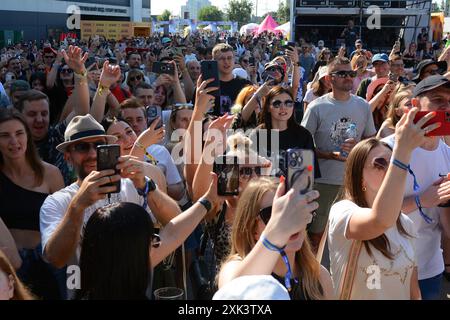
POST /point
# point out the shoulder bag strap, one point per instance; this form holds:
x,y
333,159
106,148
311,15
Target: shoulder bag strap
x,y
348,278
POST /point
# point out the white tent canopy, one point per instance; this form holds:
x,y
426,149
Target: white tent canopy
x,y
284,28
248,28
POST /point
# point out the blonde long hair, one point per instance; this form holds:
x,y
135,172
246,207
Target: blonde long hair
x,y
244,228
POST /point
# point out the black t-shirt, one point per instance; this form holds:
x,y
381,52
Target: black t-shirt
x,y
350,36
294,137
229,91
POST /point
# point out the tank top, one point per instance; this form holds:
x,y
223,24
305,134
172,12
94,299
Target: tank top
x,y
19,207
296,292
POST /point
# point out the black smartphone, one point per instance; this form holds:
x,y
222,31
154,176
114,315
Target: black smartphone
x,y
393,77
154,112
290,45
107,158
251,61
210,70
227,170
163,67
297,161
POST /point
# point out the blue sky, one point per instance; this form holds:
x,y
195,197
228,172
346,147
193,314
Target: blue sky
x,y
158,6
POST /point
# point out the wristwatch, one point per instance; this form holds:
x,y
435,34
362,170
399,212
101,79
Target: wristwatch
x,y
206,203
149,187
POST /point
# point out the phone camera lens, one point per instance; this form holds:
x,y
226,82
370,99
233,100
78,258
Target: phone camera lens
x,y
294,155
293,163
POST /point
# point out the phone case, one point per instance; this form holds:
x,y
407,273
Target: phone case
x,y
227,170
298,160
154,112
210,70
441,116
107,158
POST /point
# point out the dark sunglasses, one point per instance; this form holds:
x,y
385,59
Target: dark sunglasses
x,y
48,57
139,78
69,71
265,214
245,61
344,74
85,147
380,164
248,171
156,240
277,103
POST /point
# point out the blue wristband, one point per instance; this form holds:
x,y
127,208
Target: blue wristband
x,y
287,278
426,217
406,167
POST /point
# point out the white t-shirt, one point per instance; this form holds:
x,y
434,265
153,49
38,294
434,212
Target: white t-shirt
x,y
427,165
55,206
309,96
394,275
165,162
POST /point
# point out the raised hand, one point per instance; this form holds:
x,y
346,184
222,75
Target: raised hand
x,y
410,135
203,99
93,188
75,59
110,75
291,211
151,135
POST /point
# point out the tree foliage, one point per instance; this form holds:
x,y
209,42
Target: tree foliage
x,y
165,16
240,11
210,13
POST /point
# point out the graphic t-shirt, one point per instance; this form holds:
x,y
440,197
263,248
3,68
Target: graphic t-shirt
x,y
327,120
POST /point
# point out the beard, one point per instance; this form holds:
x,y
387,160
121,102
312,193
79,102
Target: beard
x,y
82,173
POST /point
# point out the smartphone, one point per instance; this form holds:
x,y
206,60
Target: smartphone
x,y
107,158
393,77
10,77
210,70
297,161
154,112
441,116
163,67
227,170
251,61
289,46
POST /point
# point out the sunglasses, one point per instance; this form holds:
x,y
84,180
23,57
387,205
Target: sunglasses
x,y
138,78
85,147
48,57
156,240
245,61
265,214
380,164
248,171
344,74
69,71
277,103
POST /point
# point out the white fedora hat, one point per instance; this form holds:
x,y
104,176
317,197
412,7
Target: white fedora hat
x,y
81,128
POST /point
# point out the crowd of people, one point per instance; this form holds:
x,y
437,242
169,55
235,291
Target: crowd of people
x,y
379,202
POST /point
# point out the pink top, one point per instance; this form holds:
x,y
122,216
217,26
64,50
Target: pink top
x,y
358,80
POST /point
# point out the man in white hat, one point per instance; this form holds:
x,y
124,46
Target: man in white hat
x,y
64,213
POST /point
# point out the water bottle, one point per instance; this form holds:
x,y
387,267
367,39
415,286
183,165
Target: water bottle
x,y
348,134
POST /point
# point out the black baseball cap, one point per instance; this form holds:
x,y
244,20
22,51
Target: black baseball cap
x,y
430,83
442,65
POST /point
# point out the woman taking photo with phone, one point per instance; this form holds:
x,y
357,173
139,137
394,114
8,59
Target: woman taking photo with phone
x,y
25,182
295,267
371,242
277,118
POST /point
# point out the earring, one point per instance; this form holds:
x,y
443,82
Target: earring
x,y
364,189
